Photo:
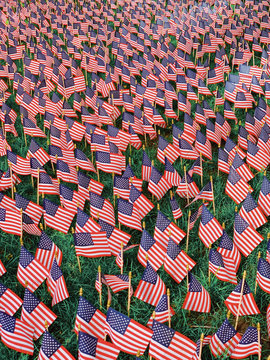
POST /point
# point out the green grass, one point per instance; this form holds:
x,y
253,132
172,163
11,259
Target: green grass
x,y
191,325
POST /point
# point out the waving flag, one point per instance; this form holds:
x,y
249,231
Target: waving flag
x,y
166,229
57,217
151,287
177,212
129,214
56,284
247,306
248,345
263,275
90,319
158,185
35,313
210,229
47,251
161,311
168,344
264,196
127,334
9,301
224,340
91,245
230,253
16,334
236,188
101,208
91,347
219,269
51,349
115,237
252,213
197,299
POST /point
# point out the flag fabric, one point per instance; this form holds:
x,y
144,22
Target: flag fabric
x,y
162,311
85,223
9,301
140,201
236,187
118,282
47,251
51,349
210,229
220,269
158,185
151,287
129,214
35,313
10,221
29,207
91,245
56,284
229,251
264,196
251,212
89,319
176,211
90,347
16,334
115,237
31,273
101,208
248,345
248,305
176,262
263,275
127,334
197,298
168,344
246,238
2,269
57,217
224,340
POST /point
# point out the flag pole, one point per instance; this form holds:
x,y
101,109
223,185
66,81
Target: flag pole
x,y
189,214
100,292
38,185
240,300
21,236
12,188
201,345
185,172
122,257
169,307
138,353
201,169
209,272
153,316
129,292
258,258
212,186
259,340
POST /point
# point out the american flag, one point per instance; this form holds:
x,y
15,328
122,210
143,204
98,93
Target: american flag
x,y
89,319
115,237
224,340
127,334
246,238
66,172
82,161
91,245
251,212
56,284
219,269
118,282
91,347
197,299
176,261
203,145
2,269
150,287
129,214
177,212
236,187
47,185
29,207
171,175
37,152
151,249
47,251
161,312
10,221
70,199
108,162
165,229
264,196
16,334
101,208
35,313
268,319
210,229
263,275
121,187
187,187
9,301
248,345
168,344
241,168
158,185
206,193
57,217
140,201
256,157
228,250
246,304
31,273
51,349
165,149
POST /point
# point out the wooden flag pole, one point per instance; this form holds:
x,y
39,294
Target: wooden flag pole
x,y
21,236
122,257
258,258
201,169
12,188
185,172
153,164
100,286
240,300
78,258
129,292
201,345
209,272
187,276
188,224
38,185
169,307
138,353
259,340
214,209
153,316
